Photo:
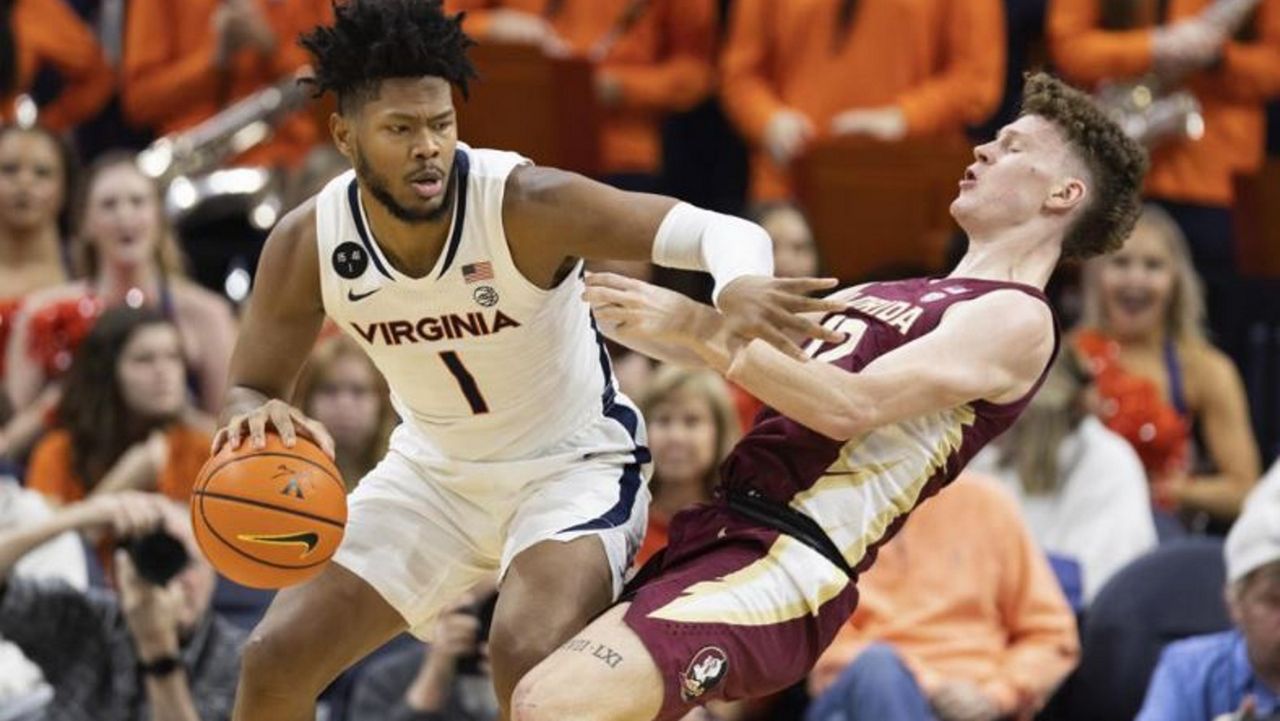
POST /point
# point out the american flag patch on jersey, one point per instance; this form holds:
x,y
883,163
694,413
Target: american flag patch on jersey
x,y
476,272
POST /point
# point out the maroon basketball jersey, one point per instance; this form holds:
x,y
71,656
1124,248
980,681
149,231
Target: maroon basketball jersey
x,y
860,490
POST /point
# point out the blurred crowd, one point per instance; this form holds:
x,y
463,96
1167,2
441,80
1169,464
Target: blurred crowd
x,y
1113,555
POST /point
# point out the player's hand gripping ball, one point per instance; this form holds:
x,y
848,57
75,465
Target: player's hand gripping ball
x,y
269,517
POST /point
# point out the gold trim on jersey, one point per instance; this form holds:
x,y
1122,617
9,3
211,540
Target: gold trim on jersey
x,y
791,582
879,476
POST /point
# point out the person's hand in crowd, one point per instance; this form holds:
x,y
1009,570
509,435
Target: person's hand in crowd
x,y
289,423
455,638
124,514
608,89
515,27
239,24
787,135
1169,489
963,701
885,124
150,611
140,467
1186,46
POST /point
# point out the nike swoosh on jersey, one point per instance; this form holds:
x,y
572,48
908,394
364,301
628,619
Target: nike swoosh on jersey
x,y
308,539
354,296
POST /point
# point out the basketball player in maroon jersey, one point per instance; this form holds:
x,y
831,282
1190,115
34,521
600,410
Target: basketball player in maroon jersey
x,y
754,586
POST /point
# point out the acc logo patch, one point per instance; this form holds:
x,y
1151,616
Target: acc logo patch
x,y
707,669
350,260
486,296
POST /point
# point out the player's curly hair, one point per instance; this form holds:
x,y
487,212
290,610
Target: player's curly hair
x,y
1116,164
373,40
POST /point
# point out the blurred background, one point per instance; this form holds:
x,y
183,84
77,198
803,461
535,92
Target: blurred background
x,y
147,147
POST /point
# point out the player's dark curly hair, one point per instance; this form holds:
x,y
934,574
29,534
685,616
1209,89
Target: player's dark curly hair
x,y
373,40
1115,162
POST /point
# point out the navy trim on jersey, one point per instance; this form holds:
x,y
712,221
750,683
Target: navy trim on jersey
x,y
461,164
629,483
353,198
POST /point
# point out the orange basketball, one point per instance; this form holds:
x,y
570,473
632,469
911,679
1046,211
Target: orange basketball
x,y
269,518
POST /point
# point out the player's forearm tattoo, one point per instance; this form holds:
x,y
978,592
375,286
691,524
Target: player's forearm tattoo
x,y
610,657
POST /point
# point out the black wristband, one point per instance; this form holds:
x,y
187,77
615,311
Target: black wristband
x,y
162,666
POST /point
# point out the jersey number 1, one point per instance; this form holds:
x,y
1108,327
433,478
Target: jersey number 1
x,y
466,381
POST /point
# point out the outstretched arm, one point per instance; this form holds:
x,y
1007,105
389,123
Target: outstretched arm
x,y
551,216
278,332
941,370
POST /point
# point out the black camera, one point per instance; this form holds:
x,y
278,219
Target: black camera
x,y
157,555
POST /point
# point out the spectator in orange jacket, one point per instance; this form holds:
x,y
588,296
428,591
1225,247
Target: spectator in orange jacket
x,y
48,33
122,421
1231,73
960,618
653,58
800,71
184,60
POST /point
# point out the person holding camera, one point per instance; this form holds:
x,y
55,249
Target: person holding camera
x,y
448,681
151,651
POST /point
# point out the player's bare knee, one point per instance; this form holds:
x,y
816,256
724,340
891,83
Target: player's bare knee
x,y
519,645
536,700
269,661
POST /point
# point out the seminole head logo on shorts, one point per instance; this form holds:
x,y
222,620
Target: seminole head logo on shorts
x,y
707,669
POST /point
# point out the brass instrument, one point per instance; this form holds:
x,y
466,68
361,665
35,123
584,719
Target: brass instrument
x,y
189,162
1156,109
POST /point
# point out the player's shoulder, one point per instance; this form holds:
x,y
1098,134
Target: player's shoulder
x,y
490,162
296,228
1008,312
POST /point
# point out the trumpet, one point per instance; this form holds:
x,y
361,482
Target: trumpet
x,y
1155,109
188,163
1151,116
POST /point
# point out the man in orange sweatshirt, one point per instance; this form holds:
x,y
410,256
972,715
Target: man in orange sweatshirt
x,y
653,58
960,618
184,60
1231,73
798,72
48,33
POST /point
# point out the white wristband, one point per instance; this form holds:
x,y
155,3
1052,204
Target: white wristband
x,y
691,238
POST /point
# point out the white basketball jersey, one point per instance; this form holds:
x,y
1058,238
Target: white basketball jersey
x,y
485,364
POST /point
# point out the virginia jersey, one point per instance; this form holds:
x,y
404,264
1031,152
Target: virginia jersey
x,y
485,364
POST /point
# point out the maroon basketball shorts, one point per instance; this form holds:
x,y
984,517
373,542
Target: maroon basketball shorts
x,y
734,608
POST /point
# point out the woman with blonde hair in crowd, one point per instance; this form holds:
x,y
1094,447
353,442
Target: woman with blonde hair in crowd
x,y
340,387
1158,377
128,255
692,426
1082,488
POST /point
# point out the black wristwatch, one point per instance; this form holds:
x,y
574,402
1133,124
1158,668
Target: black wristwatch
x,y
162,666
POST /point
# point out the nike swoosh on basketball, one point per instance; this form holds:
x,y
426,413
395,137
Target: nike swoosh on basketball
x,y
354,296
308,539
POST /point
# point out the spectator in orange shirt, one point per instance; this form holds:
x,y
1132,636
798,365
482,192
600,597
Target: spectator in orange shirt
x,y
121,421
692,426
1231,73
960,619
184,60
801,71
653,58
38,34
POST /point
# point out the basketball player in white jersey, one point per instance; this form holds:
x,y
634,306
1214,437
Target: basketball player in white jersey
x,y
458,270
